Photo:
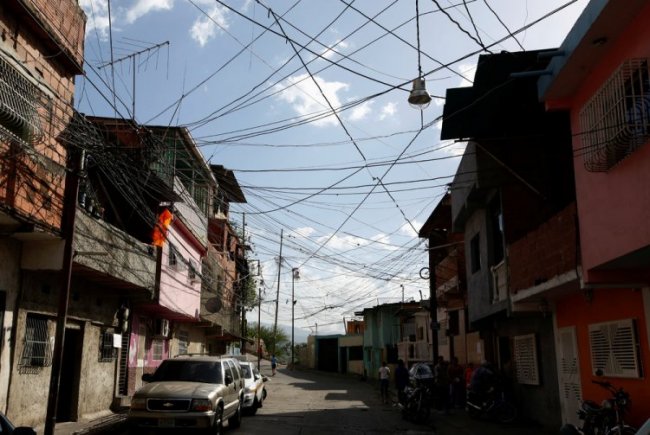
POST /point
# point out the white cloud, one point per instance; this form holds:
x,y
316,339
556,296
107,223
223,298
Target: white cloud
x,y
305,98
361,111
206,28
246,5
467,70
143,7
343,242
97,13
388,111
305,231
408,230
331,50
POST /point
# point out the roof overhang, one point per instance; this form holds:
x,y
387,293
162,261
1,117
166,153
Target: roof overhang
x,y
228,183
601,23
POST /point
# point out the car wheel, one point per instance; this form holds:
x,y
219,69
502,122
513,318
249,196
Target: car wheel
x,y
235,420
217,427
253,409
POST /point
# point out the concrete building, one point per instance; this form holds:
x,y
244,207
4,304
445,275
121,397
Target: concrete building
x,y
40,54
603,328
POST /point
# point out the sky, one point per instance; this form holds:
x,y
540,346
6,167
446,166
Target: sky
x,y
306,101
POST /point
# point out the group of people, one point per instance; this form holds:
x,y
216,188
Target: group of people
x,y
450,381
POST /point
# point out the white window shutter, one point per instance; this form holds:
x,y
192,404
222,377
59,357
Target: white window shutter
x,y
614,348
526,367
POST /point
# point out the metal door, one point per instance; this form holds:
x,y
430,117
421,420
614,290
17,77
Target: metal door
x,y
139,368
569,374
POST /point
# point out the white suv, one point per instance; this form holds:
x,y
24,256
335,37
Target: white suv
x,y
189,393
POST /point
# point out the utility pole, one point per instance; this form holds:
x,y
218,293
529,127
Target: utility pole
x,y
259,328
277,297
244,289
295,274
71,192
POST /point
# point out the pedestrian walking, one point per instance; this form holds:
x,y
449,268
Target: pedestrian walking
x,y
274,364
442,384
384,376
401,380
457,386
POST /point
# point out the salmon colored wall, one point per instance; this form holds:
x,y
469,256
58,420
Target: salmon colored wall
x,y
612,203
609,305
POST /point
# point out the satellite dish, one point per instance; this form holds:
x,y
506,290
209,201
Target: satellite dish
x,y
213,305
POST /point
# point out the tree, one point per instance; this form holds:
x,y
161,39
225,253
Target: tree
x,y
281,340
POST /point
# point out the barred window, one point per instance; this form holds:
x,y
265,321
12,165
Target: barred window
x,y
19,103
616,120
107,352
37,351
173,257
192,270
157,347
183,342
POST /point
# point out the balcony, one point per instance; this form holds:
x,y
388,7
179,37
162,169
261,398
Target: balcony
x,y
61,25
545,260
499,273
105,253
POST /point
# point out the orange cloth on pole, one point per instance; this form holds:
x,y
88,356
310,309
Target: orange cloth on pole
x,y
160,229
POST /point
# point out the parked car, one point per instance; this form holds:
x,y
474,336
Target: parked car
x,y
190,393
254,390
7,428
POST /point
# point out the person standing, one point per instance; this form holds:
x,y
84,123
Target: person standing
x,y
401,380
384,376
442,384
274,364
456,379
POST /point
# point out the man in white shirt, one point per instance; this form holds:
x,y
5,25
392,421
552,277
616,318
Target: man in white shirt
x,y
384,377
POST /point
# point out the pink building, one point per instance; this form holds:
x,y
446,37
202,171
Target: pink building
x,y
601,76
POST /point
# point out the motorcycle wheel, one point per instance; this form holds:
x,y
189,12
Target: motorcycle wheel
x,y
505,412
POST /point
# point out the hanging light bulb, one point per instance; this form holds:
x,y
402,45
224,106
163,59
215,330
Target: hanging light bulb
x,y
419,98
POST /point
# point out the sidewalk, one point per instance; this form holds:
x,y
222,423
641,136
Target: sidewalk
x,y
106,423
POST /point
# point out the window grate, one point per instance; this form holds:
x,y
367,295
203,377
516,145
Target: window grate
x,y
37,350
157,349
616,120
526,367
107,353
19,103
183,342
614,348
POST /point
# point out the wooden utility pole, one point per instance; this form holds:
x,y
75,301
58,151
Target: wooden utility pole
x,y
277,297
244,289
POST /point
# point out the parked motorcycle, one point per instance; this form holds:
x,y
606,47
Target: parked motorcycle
x,y
418,397
492,405
604,419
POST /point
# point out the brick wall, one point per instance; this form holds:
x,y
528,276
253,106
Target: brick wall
x,y
545,252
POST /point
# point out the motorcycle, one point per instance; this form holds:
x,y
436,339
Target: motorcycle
x,y
418,397
492,405
604,419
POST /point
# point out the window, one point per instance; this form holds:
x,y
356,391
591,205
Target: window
x,y
107,352
157,349
526,369
191,274
614,349
19,103
453,319
475,253
616,120
495,219
173,257
183,342
355,353
37,350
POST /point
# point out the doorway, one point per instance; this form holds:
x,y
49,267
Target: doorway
x,y
68,400
139,369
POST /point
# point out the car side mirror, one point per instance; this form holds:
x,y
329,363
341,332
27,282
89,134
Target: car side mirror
x,y
147,377
229,379
265,379
23,430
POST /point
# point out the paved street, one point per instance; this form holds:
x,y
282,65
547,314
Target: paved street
x,y
308,402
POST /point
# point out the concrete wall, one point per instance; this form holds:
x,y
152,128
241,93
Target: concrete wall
x,y
9,285
91,309
177,291
613,202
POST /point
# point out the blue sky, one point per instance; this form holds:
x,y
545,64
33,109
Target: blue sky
x,y
256,107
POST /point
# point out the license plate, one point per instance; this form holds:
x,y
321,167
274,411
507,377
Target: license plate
x,y
166,422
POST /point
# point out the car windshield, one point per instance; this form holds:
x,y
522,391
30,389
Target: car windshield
x,y
208,372
246,371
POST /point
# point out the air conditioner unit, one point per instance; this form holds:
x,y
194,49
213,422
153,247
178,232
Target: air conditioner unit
x,y
162,328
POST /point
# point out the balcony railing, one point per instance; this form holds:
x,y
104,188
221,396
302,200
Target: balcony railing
x,y
112,253
499,274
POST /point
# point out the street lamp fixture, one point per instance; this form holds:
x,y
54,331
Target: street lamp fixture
x,y
419,98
